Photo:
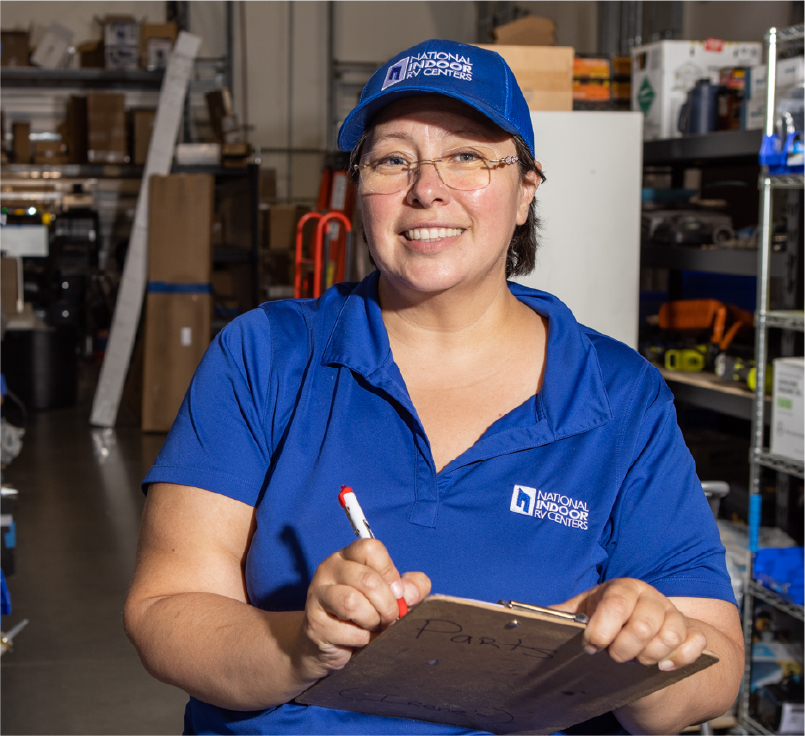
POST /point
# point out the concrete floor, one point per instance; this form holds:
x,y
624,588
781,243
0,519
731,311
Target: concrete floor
x,y
72,670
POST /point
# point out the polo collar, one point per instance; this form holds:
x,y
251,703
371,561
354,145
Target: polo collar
x,y
573,398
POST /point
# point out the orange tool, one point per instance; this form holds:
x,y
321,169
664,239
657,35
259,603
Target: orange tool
x,y
705,314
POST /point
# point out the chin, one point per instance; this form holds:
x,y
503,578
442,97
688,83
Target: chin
x,y
426,278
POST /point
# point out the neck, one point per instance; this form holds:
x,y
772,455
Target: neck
x,y
448,320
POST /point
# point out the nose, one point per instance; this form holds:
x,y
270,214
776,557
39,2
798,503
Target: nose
x,y
427,186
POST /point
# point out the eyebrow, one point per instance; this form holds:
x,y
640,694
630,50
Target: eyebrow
x,y
451,134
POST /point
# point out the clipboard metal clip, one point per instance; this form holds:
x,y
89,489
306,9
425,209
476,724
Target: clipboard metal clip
x,y
579,618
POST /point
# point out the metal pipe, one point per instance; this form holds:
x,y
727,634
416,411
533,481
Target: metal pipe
x,y
771,80
289,122
244,76
332,115
230,44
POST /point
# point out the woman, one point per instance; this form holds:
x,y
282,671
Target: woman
x,y
499,448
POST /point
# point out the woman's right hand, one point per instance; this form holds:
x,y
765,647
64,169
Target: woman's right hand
x,y
351,599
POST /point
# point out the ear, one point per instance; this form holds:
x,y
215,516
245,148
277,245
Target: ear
x,y
528,188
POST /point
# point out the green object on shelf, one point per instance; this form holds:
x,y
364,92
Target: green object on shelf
x,y
751,379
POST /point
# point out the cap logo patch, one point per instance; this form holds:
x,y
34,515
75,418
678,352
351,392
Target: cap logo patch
x,y
396,73
430,64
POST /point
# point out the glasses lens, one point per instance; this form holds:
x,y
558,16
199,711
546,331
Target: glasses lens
x,y
383,179
465,175
387,178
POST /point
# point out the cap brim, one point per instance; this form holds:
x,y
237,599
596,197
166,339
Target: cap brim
x,y
353,127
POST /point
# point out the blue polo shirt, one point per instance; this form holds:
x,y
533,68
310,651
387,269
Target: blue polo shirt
x,y
587,481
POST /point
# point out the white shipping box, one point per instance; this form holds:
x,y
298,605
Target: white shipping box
x,y
787,434
663,72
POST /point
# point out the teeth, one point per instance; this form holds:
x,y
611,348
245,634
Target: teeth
x,y
433,233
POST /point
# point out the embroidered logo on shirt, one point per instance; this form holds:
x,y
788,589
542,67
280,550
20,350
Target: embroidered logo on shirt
x,y
555,507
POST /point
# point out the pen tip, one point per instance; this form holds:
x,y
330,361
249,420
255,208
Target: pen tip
x,y
344,490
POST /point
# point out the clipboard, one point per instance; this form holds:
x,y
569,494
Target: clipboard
x,y
504,668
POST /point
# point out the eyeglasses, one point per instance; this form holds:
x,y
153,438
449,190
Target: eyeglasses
x,y
465,171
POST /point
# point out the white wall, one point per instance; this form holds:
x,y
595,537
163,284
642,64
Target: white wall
x,y
375,31
77,17
576,22
746,20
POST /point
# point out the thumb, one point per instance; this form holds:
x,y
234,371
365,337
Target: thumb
x,y
577,604
417,587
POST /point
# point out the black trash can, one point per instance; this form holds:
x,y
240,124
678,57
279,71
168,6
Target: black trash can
x,y
41,366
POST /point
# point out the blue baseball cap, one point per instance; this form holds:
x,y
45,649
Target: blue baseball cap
x,y
477,77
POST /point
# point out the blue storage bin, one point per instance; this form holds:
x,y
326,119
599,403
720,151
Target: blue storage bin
x,y
781,570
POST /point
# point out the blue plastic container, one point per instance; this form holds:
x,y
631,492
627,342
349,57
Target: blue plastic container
x,y
781,570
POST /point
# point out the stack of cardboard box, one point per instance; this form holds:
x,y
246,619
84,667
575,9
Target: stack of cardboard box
x,y
121,40
543,71
178,308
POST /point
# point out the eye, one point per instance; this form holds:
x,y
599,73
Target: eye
x,y
393,160
465,158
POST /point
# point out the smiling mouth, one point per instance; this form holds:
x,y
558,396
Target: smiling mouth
x,y
429,234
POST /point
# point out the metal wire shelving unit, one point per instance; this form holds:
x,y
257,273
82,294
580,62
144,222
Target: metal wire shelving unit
x,y
766,319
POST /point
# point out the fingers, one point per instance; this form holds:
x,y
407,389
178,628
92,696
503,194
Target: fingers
x,y
635,622
360,584
416,587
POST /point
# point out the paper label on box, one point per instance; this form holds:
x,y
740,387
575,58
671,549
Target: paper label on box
x,y
787,433
186,337
792,720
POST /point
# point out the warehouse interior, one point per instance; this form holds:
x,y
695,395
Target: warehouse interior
x,y
112,290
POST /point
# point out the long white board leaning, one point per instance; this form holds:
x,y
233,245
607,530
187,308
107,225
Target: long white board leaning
x,y
133,282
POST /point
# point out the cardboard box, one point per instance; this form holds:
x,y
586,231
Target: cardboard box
x,y
51,152
106,128
663,72
142,125
177,332
591,79
222,117
91,55
51,50
787,435
282,220
232,286
120,31
15,48
156,32
545,75
9,285
236,155
234,206
268,185
75,125
790,73
528,31
180,228
121,40
21,133
126,58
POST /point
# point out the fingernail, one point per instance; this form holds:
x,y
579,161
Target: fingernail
x,y
667,665
397,589
591,649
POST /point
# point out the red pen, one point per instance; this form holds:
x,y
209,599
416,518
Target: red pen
x,y
360,525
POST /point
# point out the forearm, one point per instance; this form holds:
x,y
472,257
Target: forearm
x,y
220,650
695,699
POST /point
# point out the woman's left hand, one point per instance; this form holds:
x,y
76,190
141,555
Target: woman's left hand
x,y
636,622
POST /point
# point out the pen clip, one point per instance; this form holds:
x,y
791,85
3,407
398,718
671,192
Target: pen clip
x,y
579,618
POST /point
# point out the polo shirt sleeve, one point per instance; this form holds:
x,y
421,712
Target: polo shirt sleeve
x,y
220,440
661,528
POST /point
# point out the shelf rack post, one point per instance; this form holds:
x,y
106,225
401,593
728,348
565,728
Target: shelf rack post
x,y
764,319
